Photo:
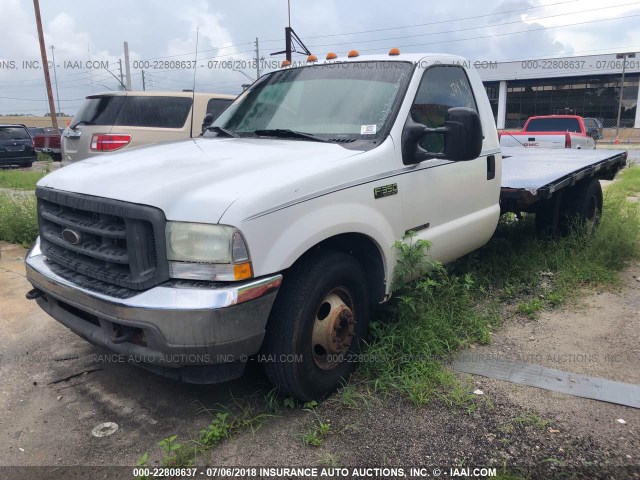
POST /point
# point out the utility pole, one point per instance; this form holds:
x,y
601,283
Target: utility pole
x,y
45,65
55,77
257,59
624,57
144,87
121,76
126,65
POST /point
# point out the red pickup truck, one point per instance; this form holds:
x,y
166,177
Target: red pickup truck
x,y
551,131
46,140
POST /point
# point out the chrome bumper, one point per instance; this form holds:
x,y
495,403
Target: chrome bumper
x,y
174,325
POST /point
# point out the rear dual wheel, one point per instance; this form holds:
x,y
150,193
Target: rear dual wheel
x,y
317,324
579,205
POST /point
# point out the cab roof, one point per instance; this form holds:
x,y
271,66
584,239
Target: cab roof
x,y
443,58
166,93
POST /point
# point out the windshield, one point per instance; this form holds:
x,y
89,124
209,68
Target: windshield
x,y
332,101
554,125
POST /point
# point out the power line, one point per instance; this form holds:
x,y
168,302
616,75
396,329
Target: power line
x,y
432,23
41,100
505,34
201,51
470,28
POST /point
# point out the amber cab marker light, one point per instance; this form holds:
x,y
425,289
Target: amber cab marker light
x,y
331,56
312,58
353,53
285,63
394,51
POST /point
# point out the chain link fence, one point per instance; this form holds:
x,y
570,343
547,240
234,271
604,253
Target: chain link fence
x,y
606,123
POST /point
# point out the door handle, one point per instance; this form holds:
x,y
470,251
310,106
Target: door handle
x,y
491,167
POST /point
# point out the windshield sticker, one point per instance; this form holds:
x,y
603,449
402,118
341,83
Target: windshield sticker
x,y
368,129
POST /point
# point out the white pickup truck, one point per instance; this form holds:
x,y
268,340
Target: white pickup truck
x,y
274,233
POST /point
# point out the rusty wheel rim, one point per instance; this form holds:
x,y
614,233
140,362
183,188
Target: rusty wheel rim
x,y
333,329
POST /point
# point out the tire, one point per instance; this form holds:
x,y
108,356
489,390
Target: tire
x,y
311,300
583,203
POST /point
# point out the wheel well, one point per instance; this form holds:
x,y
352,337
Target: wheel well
x,y
368,254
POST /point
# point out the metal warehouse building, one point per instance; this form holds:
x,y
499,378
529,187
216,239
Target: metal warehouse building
x,y
588,86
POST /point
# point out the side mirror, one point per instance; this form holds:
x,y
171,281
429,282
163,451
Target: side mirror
x,y
208,120
594,133
462,133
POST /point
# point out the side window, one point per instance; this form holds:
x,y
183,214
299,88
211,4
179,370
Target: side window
x,y
441,88
215,106
159,112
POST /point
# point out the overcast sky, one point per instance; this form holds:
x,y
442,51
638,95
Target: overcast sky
x,y
165,30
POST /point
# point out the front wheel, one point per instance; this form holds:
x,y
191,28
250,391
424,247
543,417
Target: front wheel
x,y
317,324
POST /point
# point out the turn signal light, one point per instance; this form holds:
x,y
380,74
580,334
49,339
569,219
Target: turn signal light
x,y
394,51
285,63
312,58
242,271
353,53
331,56
567,140
108,142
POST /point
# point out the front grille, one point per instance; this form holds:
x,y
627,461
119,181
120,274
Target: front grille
x,y
108,240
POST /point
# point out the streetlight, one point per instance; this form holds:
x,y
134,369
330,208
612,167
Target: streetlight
x,y
624,57
245,74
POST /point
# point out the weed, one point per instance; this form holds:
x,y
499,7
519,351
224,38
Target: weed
x,y
555,299
434,315
351,396
18,219
530,308
218,429
142,462
172,451
523,422
315,436
289,403
327,459
312,438
272,401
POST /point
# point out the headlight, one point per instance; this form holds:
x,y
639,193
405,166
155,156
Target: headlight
x,y
199,251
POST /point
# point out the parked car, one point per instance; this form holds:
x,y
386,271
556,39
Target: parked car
x,y
114,121
33,131
275,231
47,141
16,146
593,125
551,131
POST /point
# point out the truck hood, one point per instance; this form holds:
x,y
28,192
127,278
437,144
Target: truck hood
x,y
197,180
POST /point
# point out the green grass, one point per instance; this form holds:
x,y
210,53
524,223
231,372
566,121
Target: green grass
x,y
18,218
435,315
19,179
629,182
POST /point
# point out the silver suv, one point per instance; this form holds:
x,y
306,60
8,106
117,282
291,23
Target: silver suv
x,y
114,121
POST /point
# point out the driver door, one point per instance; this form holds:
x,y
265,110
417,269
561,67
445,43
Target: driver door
x,y
446,202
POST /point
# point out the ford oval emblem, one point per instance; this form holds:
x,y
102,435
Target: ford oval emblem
x,y
71,236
